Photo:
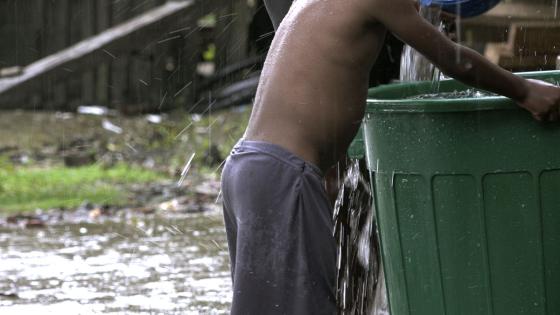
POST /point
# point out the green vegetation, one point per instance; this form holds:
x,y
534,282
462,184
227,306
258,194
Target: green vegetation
x,y
26,189
196,134
43,182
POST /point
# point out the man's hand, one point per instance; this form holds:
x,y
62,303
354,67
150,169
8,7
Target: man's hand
x,y
542,100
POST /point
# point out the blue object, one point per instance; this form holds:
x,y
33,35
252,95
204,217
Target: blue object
x,y
463,8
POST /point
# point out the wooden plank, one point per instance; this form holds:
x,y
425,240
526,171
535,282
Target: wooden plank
x,y
74,33
140,83
233,32
28,24
103,74
530,38
530,46
121,11
87,18
108,45
120,67
6,33
58,35
527,63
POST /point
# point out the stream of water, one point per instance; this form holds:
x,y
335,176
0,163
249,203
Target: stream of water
x,y
361,280
414,66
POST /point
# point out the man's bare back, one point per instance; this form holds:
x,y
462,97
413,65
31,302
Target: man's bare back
x,y
311,97
313,87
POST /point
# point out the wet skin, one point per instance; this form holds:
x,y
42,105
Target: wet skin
x,y
314,83
311,96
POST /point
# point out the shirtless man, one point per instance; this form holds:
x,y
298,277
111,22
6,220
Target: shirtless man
x,y
309,105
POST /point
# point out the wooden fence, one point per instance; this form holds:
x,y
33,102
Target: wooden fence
x,y
151,70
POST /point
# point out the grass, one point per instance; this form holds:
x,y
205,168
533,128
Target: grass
x,y
26,189
169,144
222,129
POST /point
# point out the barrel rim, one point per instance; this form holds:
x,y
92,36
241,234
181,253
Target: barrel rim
x,y
377,104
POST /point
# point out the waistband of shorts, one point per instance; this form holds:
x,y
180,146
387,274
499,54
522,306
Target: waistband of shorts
x,y
279,153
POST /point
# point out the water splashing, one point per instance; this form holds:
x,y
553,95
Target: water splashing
x,y
358,252
185,171
414,66
468,93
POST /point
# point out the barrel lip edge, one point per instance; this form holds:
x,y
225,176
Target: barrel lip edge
x,y
440,106
379,105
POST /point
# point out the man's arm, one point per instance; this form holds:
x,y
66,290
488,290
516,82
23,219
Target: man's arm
x,y
464,64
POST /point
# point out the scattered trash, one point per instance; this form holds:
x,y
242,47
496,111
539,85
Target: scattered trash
x,y
95,213
144,210
149,163
34,223
63,115
171,205
11,71
27,221
15,219
93,110
210,189
9,295
154,119
207,21
86,141
107,125
182,204
206,68
20,158
8,148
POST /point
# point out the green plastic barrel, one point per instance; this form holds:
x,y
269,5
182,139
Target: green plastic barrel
x,y
468,202
357,149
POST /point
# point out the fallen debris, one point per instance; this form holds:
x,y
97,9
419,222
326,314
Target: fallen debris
x,y
9,295
10,71
154,119
93,110
27,221
79,158
107,125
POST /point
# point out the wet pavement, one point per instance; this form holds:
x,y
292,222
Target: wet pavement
x,y
162,263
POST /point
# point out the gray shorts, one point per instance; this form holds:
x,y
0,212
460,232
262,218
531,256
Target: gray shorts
x,y
280,233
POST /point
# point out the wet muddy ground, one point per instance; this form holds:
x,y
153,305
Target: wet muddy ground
x,y
163,263
165,253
